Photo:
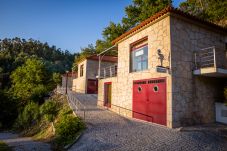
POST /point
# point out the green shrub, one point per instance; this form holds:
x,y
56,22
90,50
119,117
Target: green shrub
x,y
56,78
28,116
38,93
49,110
65,111
67,129
8,109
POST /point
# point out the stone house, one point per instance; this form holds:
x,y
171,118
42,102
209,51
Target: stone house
x,y
86,81
171,70
68,77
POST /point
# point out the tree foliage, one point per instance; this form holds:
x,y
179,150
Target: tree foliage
x,y
14,52
29,116
56,78
85,52
49,110
210,10
8,111
29,82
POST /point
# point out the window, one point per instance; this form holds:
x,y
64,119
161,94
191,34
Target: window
x,y
139,56
81,70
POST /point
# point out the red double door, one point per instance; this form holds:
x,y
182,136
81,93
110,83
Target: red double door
x,y
149,100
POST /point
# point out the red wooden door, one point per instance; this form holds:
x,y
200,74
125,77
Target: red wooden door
x,y
107,94
92,86
149,103
140,99
157,100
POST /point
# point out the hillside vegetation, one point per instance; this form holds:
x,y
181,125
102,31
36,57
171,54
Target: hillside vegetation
x,y
29,71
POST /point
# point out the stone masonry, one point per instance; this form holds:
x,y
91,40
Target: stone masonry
x,y
190,99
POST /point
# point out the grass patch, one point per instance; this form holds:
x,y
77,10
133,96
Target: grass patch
x,y
4,147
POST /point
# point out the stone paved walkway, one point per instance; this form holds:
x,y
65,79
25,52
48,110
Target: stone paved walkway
x,y
108,131
23,143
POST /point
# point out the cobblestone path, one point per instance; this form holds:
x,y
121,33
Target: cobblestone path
x,y
108,131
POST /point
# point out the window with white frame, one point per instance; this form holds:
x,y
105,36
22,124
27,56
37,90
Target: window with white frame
x,y
139,56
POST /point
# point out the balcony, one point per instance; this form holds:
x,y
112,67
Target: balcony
x,y
107,72
210,62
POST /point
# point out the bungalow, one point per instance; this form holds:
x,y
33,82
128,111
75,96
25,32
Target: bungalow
x,y
67,79
171,70
86,81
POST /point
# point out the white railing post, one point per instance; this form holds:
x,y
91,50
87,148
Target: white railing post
x,y
215,65
195,55
104,71
110,71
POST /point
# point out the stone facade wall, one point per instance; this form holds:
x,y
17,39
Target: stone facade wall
x,y
190,99
193,97
90,72
79,84
158,38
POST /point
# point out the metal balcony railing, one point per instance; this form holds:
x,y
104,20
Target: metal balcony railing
x,y
107,72
209,57
78,108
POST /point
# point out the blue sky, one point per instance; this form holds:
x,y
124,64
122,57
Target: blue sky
x,y
68,24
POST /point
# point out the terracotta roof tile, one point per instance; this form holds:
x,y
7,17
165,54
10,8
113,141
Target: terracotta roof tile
x,y
166,10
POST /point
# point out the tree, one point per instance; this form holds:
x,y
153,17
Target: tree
x,y
29,116
56,78
85,52
29,81
15,51
141,10
135,13
8,110
49,110
210,10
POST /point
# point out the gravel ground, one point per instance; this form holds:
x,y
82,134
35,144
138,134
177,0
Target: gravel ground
x,y
23,143
108,131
